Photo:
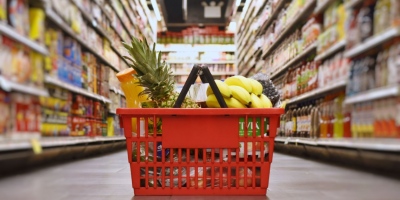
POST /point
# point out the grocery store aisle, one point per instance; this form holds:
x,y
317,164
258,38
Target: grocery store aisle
x,y
108,177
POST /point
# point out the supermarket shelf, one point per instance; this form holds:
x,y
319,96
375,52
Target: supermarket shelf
x,y
213,73
377,144
295,21
247,24
11,33
335,48
321,7
294,60
119,18
196,47
9,86
119,54
117,91
198,62
373,94
92,21
275,13
373,42
13,145
318,91
352,3
57,19
72,88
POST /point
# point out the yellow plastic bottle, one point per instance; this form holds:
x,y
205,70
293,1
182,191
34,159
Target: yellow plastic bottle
x,y
131,90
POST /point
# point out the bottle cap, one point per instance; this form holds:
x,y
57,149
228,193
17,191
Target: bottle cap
x,y
126,74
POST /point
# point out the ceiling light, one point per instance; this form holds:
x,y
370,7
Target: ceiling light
x,y
156,10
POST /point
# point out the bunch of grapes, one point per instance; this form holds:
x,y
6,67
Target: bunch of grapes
x,y
269,89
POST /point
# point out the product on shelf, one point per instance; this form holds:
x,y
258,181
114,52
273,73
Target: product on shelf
x,y
196,35
334,26
375,71
322,118
20,64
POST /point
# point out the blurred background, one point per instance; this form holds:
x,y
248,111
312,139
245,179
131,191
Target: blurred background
x,y
335,64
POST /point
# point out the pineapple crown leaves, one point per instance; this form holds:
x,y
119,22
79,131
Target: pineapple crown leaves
x,y
155,76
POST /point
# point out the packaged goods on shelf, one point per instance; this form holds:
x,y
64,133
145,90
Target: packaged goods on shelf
x,y
322,118
18,16
375,71
372,19
20,64
376,119
214,68
334,26
196,35
198,56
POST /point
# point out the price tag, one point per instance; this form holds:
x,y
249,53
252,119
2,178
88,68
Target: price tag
x,y
297,140
287,141
36,147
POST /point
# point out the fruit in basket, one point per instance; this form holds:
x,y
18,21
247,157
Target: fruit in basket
x,y
223,88
265,101
239,81
255,101
268,87
257,88
240,94
212,102
152,74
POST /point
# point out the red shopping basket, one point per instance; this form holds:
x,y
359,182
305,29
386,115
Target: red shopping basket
x,y
207,151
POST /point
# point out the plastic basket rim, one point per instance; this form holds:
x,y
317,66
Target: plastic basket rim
x,y
200,111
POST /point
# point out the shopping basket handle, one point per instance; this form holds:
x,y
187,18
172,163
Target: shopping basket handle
x,y
206,77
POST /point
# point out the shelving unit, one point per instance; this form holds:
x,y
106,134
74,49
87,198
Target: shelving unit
x,y
196,47
72,88
294,60
321,7
373,42
10,86
10,32
57,19
376,144
46,142
300,16
318,91
330,51
373,94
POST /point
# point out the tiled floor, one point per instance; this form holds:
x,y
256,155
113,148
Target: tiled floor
x,y
108,177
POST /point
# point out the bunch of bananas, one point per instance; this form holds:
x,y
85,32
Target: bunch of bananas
x,y
239,92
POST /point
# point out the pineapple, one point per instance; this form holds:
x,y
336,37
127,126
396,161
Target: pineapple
x,y
155,76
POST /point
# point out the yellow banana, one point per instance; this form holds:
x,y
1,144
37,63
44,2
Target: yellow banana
x,y
283,105
240,94
239,81
212,102
257,88
255,101
223,88
266,102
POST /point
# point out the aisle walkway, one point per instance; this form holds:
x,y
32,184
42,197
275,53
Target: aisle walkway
x,y
108,177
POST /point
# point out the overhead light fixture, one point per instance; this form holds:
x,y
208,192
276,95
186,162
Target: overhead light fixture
x,y
156,10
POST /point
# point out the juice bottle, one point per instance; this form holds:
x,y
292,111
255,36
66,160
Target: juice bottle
x,y
131,90
323,121
330,121
346,122
294,120
338,122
